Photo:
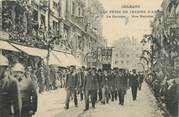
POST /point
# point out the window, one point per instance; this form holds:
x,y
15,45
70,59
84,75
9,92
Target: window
x,y
122,62
43,20
82,12
35,15
73,8
122,55
55,5
116,55
80,42
128,55
35,20
127,62
79,11
116,62
55,26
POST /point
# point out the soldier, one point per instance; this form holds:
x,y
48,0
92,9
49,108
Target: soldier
x,y
121,85
105,88
90,86
27,91
10,101
134,83
71,87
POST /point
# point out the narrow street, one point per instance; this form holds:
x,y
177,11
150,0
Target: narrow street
x,y
51,104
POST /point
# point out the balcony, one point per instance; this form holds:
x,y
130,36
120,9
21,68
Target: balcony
x,y
78,21
171,20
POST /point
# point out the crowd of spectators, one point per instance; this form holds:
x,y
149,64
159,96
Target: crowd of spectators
x,y
165,89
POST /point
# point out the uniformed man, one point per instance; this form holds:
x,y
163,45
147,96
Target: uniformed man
x,y
134,83
10,101
71,87
27,91
90,86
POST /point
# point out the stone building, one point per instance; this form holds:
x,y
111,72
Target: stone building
x,y
126,53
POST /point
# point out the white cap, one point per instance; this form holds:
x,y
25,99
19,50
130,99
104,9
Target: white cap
x,y
3,61
18,68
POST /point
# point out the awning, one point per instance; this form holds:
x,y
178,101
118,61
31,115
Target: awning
x,y
4,45
72,61
32,51
58,58
62,59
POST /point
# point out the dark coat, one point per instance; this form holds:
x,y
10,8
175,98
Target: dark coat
x,y
100,77
81,77
9,97
172,96
105,81
112,81
121,82
91,82
28,95
134,81
72,80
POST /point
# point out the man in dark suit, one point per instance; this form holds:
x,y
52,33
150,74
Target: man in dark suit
x,y
100,76
134,83
10,100
27,91
71,86
90,87
121,85
105,88
81,76
113,85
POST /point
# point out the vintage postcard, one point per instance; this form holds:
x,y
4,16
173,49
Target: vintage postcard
x,y
89,58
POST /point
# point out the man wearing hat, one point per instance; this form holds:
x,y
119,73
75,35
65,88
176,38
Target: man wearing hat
x,y
90,88
134,83
10,101
71,86
81,76
121,85
105,88
27,91
41,79
100,76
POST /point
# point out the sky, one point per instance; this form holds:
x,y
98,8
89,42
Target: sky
x,y
114,28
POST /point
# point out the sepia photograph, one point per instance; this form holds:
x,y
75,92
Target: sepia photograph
x,y
89,58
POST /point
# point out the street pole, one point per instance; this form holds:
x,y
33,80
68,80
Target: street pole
x,y
48,31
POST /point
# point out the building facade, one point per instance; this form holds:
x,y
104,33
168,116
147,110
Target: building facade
x,y
64,25
126,53
166,34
